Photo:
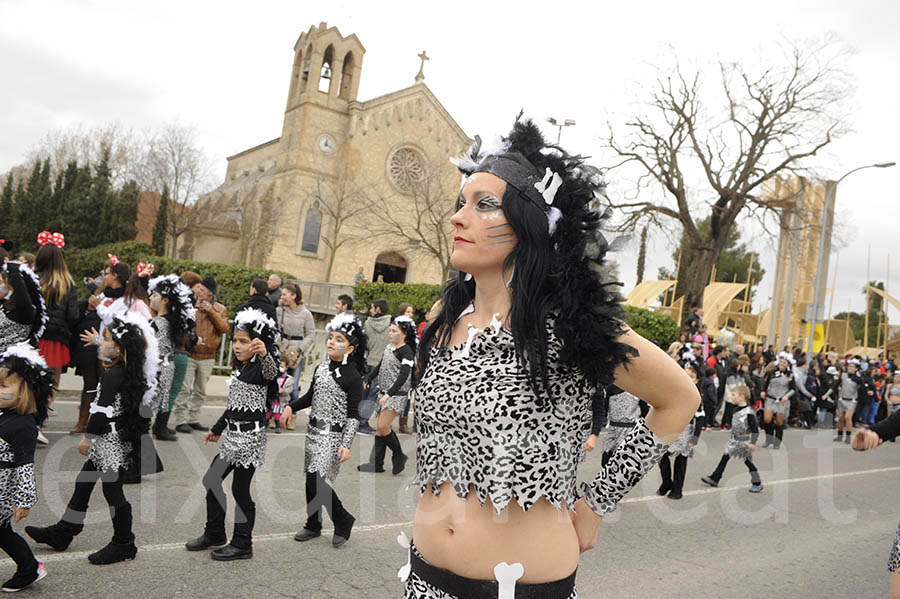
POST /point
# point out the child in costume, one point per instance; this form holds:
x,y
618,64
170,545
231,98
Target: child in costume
x,y
682,449
174,319
623,410
286,386
24,313
243,450
26,384
394,375
742,443
333,397
128,345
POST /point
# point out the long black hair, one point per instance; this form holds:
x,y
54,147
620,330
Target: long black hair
x,y
555,277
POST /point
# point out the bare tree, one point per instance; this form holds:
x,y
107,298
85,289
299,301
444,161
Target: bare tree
x,y
342,203
763,126
174,158
420,218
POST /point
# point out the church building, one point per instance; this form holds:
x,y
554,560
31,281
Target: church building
x,y
348,183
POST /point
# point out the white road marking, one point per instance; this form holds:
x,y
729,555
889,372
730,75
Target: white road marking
x,y
280,536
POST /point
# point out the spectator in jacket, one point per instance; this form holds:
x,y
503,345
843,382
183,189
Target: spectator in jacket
x,y
377,328
58,289
297,328
212,321
259,300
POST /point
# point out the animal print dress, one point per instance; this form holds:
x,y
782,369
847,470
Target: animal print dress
x,y
166,373
18,437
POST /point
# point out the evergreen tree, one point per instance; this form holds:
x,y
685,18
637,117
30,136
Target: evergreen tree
x,y
26,212
79,213
128,198
161,225
15,233
6,205
101,190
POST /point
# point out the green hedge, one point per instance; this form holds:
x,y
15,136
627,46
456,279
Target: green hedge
x,y
658,328
234,281
420,295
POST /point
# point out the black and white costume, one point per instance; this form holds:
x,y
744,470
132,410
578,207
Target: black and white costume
x,y
394,374
166,363
333,399
503,416
25,322
18,437
682,449
174,329
888,429
243,435
623,411
117,420
744,432
779,390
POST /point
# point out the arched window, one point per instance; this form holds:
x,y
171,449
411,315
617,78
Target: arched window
x,y
312,229
325,74
346,77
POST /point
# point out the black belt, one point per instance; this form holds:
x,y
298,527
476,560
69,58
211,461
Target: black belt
x,y
5,465
621,424
245,426
293,337
321,424
486,589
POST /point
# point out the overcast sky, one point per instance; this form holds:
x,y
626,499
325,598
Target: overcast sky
x,y
225,66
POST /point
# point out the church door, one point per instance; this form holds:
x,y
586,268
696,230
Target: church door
x,y
391,266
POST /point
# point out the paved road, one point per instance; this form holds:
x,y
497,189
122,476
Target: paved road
x,y
822,528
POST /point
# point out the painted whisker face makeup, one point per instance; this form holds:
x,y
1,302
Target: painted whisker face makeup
x,y
500,234
484,237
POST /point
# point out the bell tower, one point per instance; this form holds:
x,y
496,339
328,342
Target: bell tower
x,y
324,81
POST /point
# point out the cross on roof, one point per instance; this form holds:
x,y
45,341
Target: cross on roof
x,y
420,76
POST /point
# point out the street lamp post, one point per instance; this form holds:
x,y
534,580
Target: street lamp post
x,y
822,267
565,123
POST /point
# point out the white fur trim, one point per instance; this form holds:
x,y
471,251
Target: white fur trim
x,y
151,356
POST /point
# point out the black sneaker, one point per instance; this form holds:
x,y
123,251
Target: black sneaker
x,y
183,428
709,481
21,581
198,427
230,552
674,494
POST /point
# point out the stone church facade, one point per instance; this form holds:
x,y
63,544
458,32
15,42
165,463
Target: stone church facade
x,y
338,161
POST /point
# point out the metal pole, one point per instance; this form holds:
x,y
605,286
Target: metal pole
x,y
821,270
866,325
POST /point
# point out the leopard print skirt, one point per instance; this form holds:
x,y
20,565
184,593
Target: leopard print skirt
x,y
394,402
894,561
417,588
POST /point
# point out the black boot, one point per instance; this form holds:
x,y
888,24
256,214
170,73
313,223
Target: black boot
x,y
241,546
343,524
398,458
376,460
679,471
122,546
665,470
58,536
779,433
161,428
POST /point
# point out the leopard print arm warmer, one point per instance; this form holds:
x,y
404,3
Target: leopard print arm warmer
x,y
635,456
26,491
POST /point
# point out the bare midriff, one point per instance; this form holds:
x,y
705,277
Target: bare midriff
x,y
469,538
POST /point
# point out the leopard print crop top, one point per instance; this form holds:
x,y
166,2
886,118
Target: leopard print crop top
x,y
481,426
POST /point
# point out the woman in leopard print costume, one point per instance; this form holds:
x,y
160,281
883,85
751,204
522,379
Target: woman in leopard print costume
x,y
333,397
128,345
526,335
26,384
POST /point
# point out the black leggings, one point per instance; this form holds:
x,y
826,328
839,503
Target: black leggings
x,y
17,548
720,469
84,486
217,502
320,495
